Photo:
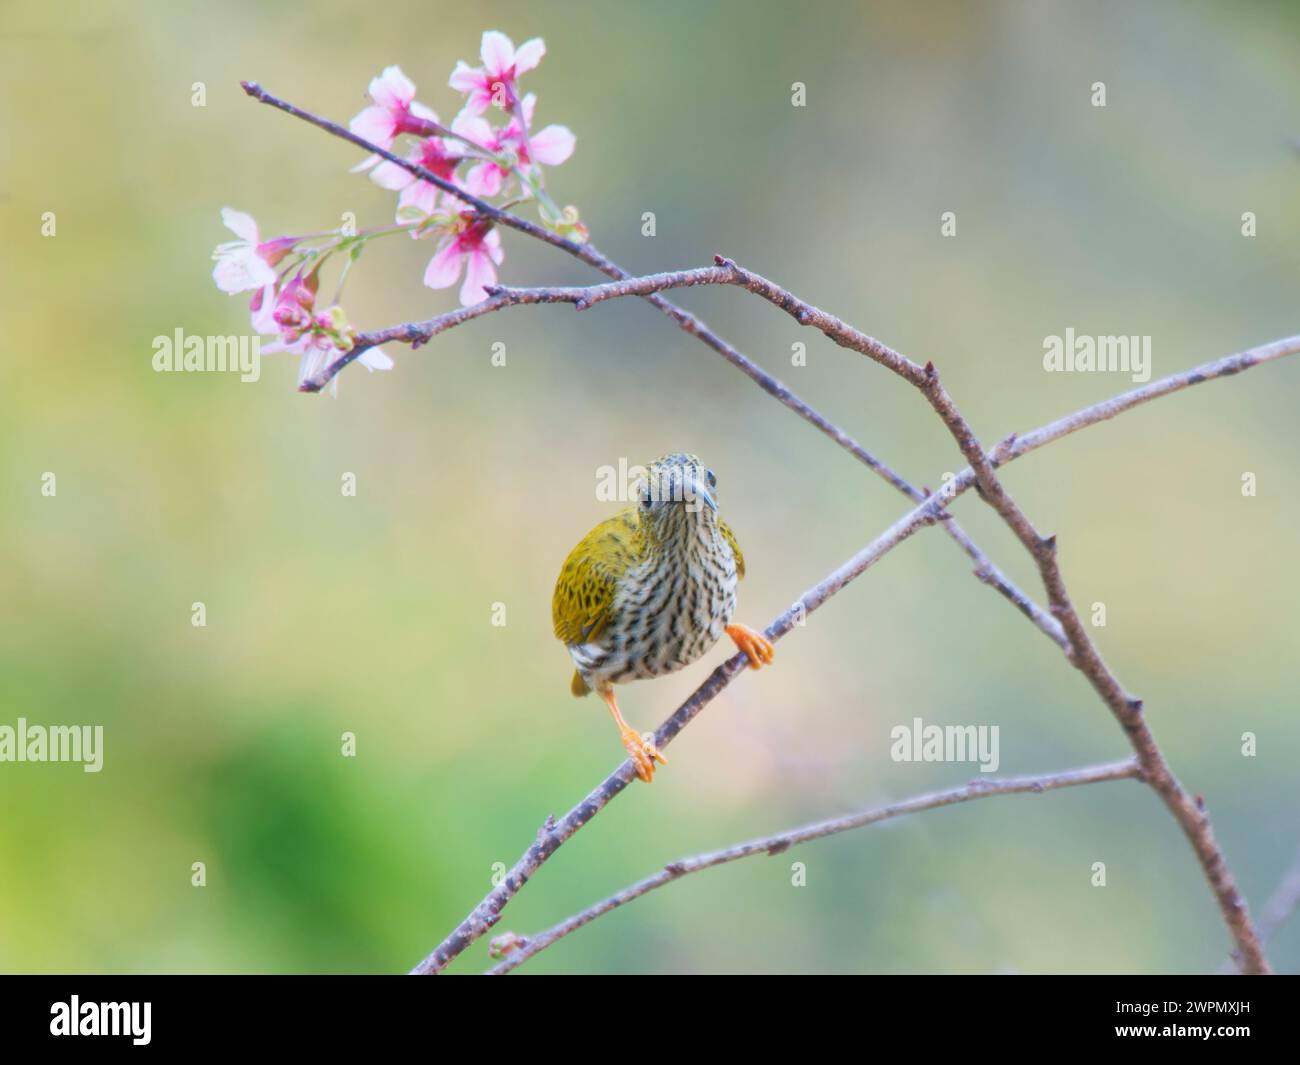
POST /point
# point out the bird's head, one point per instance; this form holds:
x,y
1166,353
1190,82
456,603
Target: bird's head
x,y
678,491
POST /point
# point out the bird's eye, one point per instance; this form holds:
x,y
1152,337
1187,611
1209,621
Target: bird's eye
x,y
713,481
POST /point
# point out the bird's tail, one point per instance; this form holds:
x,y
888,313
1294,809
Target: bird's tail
x,y
579,686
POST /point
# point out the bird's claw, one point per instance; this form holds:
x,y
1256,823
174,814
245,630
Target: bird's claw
x,y
644,753
757,647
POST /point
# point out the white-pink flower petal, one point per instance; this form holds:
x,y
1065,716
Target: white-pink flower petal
x,y
497,52
479,272
552,145
375,359
529,106
313,360
241,224
472,128
529,54
483,180
375,124
262,319
241,269
391,176
420,195
392,89
444,267
465,78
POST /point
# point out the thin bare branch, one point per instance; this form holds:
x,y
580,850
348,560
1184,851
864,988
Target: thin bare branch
x,y
979,788
416,333
505,218
1015,446
981,472
554,834
1081,652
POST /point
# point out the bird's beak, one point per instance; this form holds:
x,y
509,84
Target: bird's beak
x,y
695,490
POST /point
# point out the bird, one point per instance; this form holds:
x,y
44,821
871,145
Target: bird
x,y
650,590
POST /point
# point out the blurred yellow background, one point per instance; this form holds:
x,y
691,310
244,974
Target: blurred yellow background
x,y
372,614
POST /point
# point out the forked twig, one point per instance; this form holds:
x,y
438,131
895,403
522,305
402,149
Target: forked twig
x,y
417,333
525,948
1063,624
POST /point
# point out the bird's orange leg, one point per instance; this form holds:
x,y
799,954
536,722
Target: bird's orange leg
x,y
641,748
757,646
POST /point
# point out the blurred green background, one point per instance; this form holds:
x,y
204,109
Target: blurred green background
x,y
373,614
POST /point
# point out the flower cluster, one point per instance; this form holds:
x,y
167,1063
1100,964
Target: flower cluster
x,y
484,160
285,305
470,154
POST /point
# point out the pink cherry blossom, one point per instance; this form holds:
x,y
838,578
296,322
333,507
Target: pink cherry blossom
x,y
496,81
436,155
246,263
472,244
394,111
550,147
316,339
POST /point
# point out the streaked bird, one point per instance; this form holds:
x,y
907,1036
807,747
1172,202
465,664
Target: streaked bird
x,y
650,590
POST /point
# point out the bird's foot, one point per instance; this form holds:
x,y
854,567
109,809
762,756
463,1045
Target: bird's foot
x,y
643,752
756,646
